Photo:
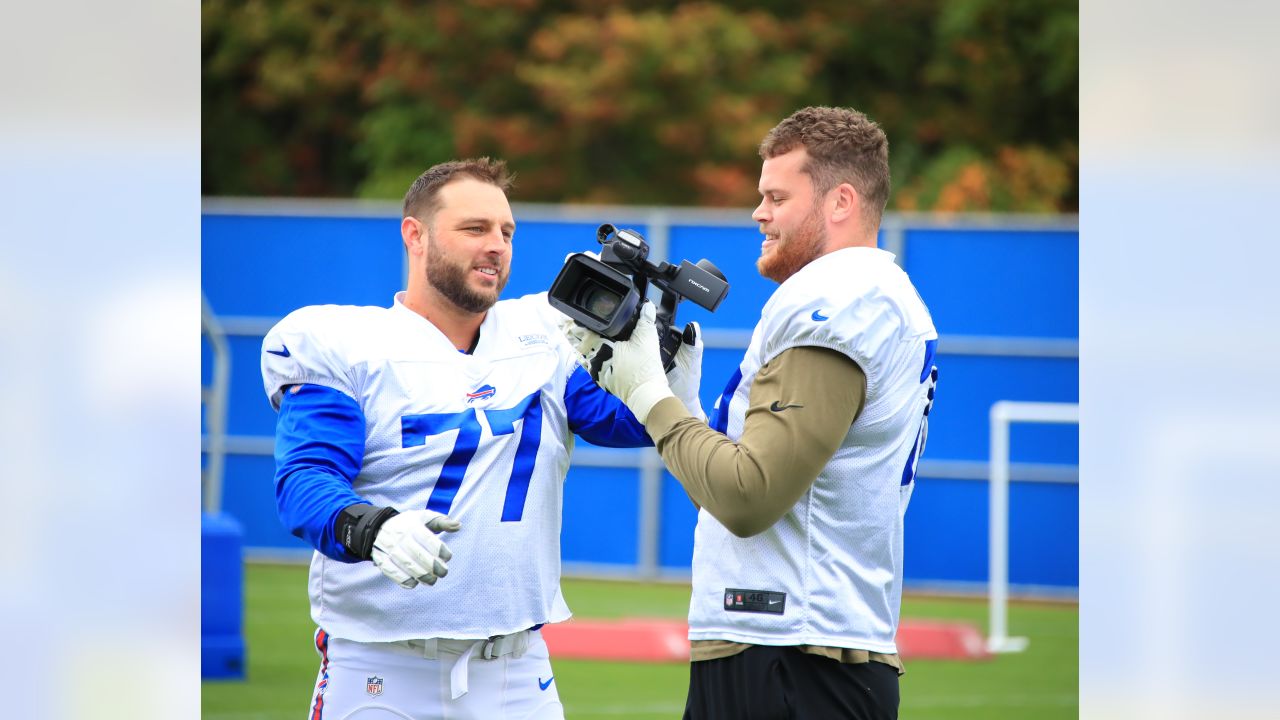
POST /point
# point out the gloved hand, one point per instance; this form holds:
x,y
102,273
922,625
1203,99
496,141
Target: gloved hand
x,y
686,375
407,550
634,373
585,342
580,338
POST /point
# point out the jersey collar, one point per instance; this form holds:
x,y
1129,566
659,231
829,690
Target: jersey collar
x,y
401,310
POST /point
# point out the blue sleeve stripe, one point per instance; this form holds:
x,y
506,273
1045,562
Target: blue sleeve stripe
x,y
720,420
930,347
319,451
600,418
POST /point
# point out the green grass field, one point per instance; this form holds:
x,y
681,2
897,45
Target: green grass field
x,y
1040,683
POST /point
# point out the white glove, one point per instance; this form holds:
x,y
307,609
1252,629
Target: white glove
x,y
634,373
686,375
407,550
585,342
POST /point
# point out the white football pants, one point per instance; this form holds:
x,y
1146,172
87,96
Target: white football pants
x,y
433,680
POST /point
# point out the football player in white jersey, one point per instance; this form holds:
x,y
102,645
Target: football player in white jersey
x,y
803,477
448,412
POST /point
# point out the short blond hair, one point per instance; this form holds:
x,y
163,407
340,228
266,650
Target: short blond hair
x,y
844,145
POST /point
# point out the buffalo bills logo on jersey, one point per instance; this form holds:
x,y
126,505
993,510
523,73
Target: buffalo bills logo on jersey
x,y
483,392
373,685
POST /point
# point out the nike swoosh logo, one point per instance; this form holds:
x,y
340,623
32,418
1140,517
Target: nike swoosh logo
x,y
282,352
779,408
774,602
818,316
547,684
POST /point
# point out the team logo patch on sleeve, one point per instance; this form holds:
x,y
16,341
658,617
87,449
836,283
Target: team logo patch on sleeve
x,y
754,601
373,685
483,392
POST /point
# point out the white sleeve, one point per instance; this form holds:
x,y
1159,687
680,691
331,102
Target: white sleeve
x,y
303,348
862,327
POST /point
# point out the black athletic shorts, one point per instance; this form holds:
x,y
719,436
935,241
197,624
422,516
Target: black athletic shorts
x,y
763,683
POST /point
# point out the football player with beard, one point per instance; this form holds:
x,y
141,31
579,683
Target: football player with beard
x,y
448,412
804,475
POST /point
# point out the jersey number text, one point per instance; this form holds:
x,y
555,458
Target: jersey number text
x,y
415,429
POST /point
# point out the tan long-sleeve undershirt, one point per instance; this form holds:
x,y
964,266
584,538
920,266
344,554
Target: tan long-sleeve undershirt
x,y
801,406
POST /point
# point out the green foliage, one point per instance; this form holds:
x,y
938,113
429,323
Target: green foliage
x,y
638,102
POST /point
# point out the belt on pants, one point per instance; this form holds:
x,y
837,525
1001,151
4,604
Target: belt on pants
x,y
492,648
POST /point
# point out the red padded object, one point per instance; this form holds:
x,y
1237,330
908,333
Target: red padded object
x,y
654,640
632,640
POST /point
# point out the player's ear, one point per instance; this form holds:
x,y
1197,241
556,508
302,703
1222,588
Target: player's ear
x,y
845,203
414,234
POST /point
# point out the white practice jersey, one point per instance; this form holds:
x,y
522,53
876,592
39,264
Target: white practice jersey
x,y
829,572
482,437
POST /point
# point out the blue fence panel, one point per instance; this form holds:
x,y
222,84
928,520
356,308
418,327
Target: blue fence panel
x,y
600,522
947,533
959,424
270,266
995,282
977,282
249,496
679,517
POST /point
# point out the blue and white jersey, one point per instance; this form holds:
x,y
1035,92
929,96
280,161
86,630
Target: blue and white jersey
x,y
376,405
830,570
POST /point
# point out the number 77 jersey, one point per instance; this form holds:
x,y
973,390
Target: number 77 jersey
x,y
483,437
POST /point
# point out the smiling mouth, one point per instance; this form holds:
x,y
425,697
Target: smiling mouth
x,y
489,271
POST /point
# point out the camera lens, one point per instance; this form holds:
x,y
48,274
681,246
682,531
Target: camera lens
x,y
598,300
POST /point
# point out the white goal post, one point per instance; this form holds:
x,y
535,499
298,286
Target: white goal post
x,y
1003,414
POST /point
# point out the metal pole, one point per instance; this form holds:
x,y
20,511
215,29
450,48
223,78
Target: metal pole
x,y
215,399
1003,413
650,499
998,528
649,525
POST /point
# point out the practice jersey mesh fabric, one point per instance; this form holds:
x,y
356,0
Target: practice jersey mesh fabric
x,y
837,554
482,437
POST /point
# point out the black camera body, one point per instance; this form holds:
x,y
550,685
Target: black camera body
x,y
605,295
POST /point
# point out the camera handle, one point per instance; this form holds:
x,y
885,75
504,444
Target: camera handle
x,y
669,338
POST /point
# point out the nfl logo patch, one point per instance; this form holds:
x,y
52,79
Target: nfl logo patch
x,y
373,686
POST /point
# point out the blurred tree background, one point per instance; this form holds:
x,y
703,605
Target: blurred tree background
x,y
630,102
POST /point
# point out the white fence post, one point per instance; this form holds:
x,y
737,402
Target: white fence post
x,y
1003,413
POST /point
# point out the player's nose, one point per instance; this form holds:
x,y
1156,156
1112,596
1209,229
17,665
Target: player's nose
x,y
760,215
495,242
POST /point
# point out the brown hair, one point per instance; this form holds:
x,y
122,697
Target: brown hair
x,y
422,199
844,145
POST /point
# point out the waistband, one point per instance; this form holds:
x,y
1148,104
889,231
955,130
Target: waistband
x,y
492,648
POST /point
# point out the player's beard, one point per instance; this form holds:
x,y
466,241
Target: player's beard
x,y
450,279
795,249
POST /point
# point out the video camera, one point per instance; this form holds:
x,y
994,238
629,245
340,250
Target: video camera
x,y
605,295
